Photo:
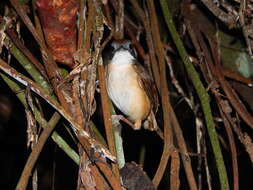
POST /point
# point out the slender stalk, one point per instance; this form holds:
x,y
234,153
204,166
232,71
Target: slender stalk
x,y
29,67
202,94
118,139
107,115
33,157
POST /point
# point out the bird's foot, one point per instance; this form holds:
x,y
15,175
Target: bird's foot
x,y
122,118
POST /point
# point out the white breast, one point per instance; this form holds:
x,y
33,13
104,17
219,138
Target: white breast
x,y
125,92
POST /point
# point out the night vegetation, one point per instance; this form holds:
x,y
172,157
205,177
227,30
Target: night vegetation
x,y
57,124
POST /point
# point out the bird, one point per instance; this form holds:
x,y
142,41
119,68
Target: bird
x,y
130,87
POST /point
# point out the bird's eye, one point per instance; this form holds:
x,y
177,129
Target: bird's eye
x,y
115,45
128,45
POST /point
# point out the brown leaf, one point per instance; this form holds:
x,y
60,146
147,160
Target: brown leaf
x,y
58,20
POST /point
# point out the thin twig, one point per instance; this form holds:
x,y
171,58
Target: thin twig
x,y
82,10
119,28
243,25
23,180
90,21
26,52
107,115
29,67
199,139
174,172
231,144
228,19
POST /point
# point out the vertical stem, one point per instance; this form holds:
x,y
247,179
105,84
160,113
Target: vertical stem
x,y
116,126
107,116
119,33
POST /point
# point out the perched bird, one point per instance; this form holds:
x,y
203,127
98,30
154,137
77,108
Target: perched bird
x,y
129,85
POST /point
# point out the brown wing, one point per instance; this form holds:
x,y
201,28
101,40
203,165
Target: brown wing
x,y
148,85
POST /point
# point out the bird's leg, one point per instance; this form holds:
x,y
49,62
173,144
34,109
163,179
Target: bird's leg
x,y
122,118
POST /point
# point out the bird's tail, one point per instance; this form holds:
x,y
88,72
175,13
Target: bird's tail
x,y
151,124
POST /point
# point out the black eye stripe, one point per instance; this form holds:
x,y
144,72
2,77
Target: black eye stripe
x,y
125,46
115,45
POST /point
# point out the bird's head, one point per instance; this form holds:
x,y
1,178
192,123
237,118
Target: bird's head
x,y
123,52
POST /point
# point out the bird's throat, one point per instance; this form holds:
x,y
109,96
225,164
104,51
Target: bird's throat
x,y
122,57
